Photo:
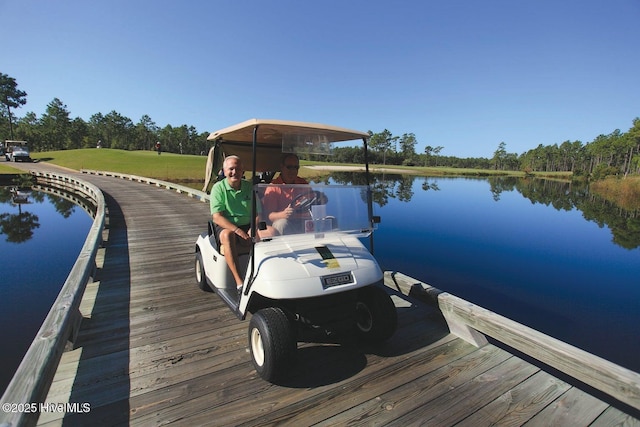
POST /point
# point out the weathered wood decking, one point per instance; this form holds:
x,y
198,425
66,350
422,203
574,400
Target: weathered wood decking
x,y
154,349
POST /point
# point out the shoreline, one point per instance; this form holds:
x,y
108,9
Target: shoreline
x,y
341,168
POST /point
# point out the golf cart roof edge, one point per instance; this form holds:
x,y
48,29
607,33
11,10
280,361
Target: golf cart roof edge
x,y
339,133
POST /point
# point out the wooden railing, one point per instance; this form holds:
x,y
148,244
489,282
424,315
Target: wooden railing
x,y
197,194
471,323
32,380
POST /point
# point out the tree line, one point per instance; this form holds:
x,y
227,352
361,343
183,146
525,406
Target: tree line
x,y
614,154
617,153
57,130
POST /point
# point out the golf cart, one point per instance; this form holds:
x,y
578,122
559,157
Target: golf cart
x,y
16,151
310,283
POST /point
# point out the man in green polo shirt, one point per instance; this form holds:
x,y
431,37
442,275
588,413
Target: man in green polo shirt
x,y
230,203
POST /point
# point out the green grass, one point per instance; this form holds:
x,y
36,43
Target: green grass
x,y
442,171
6,169
190,168
168,166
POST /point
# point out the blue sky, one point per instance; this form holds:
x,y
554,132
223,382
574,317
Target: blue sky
x,y
462,74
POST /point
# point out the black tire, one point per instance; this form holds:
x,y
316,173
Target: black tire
x,y
272,343
201,278
376,316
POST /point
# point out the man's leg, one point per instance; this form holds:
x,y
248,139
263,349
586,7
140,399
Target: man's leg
x,y
228,240
288,226
280,226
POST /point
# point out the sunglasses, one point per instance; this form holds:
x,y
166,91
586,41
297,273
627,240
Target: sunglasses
x,y
292,167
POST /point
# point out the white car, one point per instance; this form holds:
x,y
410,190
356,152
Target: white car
x,y
318,283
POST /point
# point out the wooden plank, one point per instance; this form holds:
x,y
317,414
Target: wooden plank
x,y
614,417
574,407
469,397
518,405
429,390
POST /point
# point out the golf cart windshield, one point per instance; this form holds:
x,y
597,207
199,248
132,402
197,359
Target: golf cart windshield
x,y
314,209
19,149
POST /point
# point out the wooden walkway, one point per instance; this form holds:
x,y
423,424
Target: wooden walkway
x,y
153,349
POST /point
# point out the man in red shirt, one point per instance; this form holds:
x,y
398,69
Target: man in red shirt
x,y
277,200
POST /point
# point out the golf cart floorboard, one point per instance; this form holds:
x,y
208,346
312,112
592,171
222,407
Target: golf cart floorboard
x,y
230,298
177,355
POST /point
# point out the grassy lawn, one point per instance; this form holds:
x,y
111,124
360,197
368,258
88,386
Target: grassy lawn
x,y
190,168
168,166
441,170
5,168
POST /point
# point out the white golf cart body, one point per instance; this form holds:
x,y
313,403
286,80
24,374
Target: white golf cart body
x,y
316,275
17,151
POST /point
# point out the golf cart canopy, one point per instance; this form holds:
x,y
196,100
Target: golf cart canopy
x,y
273,130
274,137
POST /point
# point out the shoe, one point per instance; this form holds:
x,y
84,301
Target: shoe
x,y
239,291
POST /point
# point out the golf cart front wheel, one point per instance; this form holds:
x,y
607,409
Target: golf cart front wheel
x,y
272,342
375,314
201,278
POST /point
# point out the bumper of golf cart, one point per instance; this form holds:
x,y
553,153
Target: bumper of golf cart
x,y
301,268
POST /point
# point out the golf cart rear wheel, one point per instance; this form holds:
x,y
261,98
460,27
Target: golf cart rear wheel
x,y
376,317
272,342
201,278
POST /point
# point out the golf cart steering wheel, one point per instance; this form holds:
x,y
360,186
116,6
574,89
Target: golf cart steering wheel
x,y
303,201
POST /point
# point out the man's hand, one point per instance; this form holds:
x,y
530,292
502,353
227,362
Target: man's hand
x,y
287,212
242,234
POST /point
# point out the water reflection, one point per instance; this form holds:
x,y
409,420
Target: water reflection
x,y
18,226
41,234
561,195
384,186
566,196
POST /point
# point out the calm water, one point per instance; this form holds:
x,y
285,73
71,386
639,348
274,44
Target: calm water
x,y
539,252
39,242
544,253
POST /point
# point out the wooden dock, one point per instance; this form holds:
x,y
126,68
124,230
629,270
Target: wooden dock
x,y
153,349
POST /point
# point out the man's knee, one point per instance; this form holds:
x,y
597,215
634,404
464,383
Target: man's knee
x,y
226,237
280,225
